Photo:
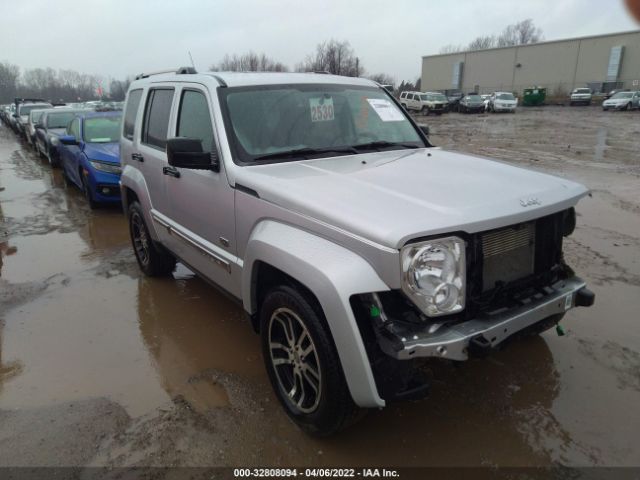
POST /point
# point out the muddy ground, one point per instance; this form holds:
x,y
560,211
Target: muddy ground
x,y
100,366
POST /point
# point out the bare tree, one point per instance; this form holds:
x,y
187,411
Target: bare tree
x,y
9,75
248,62
520,33
482,43
382,79
118,89
334,57
451,48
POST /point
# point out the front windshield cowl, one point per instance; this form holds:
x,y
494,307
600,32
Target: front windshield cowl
x,y
272,123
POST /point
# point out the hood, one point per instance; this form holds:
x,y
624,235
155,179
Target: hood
x,y
104,152
403,194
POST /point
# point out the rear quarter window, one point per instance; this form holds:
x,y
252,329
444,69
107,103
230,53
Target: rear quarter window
x,y
131,111
156,117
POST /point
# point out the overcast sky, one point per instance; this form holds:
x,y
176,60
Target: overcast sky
x,y
116,38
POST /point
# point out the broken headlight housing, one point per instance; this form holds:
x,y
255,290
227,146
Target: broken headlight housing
x,y
434,275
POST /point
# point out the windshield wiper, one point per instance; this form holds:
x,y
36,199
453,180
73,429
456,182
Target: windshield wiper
x,y
302,152
383,144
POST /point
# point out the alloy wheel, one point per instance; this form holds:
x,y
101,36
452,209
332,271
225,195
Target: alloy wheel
x,y
140,238
295,360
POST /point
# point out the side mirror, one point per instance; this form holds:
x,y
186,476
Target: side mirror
x,y
425,129
183,152
68,140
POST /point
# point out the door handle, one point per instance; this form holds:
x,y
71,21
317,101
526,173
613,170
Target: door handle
x,y
172,171
137,156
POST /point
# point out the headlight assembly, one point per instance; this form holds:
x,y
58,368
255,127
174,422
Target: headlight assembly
x,y
434,275
106,167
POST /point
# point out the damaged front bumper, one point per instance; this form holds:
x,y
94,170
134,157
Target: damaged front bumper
x,y
456,341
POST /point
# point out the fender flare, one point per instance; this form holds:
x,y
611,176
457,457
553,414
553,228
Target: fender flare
x,y
333,274
134,180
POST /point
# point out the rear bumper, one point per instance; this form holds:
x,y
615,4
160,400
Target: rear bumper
x,y
453,341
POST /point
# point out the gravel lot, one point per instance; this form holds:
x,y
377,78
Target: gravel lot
x,y
100,366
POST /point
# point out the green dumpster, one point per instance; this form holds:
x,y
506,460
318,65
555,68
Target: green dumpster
x,y
534,96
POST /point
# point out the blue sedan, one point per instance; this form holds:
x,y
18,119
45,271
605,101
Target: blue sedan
x,y
90,156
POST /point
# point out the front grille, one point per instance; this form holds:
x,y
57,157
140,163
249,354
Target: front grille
x,y
508,255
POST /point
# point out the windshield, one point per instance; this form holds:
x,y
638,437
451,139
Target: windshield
x,y
506,96
268,120
102,129
25,109
623,95
59,119
582,90
474,98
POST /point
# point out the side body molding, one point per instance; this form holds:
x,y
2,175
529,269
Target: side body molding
x,y
333,274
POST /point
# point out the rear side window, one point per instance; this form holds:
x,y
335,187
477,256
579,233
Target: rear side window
x,y
156,117
131,111
194,120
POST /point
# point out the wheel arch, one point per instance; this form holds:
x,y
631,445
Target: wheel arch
x,y
331,274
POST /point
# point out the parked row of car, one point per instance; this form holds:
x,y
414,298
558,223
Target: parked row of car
x,y
438,103
82,139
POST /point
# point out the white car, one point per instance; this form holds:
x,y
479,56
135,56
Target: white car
x,y
424,102
580,95
502,102
622,101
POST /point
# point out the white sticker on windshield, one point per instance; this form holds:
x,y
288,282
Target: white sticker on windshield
x,y
385,110
321,109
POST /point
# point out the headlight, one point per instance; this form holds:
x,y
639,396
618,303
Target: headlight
x,y
434,275
106,167
54,140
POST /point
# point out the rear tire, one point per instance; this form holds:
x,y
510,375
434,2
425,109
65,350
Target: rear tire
x,y
154,260
303,364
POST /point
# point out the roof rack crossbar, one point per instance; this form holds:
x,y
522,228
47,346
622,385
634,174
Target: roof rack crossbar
x,y
179,71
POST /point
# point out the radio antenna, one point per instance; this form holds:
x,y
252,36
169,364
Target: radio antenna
x,y
191,57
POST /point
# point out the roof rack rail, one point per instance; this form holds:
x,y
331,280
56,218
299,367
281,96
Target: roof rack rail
x,y
186,71
323,72
179,71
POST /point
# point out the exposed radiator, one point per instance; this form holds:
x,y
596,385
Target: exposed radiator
x,y
508,254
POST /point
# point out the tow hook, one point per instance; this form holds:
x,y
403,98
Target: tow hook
x,y
585,297
479,346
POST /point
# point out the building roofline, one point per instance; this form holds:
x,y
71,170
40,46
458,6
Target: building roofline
x,y
462,52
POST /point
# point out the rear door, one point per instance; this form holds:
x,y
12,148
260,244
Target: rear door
x,y
145,150
202,201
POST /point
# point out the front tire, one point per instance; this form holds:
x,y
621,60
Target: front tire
x,y
303,364
153,259
425,111
86,190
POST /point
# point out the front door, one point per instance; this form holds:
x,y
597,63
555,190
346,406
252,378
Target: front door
x,y
202,201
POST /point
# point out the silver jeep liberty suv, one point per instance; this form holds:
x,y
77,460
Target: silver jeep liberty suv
x,y
355,246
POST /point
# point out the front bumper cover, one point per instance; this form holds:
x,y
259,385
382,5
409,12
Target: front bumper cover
x,y
452,341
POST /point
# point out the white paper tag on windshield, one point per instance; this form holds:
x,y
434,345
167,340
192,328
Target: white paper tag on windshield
x,y
386,110
321,109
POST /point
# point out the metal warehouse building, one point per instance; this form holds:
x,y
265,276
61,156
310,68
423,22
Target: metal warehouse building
x,y
602,62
